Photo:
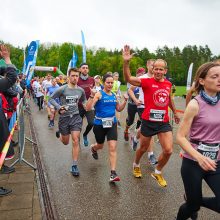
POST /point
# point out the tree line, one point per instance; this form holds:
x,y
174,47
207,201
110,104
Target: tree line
x,y
101,60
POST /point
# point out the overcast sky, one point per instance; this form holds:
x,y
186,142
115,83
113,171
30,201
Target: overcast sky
x,y
113,23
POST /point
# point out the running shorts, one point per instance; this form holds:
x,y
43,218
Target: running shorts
x,y
100,133
68,124
151,128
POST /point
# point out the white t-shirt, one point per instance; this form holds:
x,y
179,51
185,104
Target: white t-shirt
x,y
38,90
46,84
141,94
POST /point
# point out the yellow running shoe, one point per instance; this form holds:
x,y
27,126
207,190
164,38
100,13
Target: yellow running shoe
x,y
160,180
137,172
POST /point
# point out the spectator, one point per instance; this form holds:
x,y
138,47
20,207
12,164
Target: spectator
x,y
5,83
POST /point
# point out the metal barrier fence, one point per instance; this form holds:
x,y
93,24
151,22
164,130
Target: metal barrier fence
x,y
21,134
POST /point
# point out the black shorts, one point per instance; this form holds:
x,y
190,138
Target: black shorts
x,y
68,124
100,133
151,128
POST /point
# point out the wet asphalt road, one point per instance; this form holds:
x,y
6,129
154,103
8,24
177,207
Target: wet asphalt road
x,y
91,196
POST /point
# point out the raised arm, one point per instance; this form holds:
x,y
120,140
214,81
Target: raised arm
x,y
10,71
93,98
126,69
121,106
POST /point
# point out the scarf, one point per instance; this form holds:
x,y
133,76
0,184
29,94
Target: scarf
x,y
84,77
208,99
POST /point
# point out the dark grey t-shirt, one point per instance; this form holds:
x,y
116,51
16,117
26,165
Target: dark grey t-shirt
x,y
68,97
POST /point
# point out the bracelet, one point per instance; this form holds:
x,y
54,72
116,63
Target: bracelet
x,y
91,97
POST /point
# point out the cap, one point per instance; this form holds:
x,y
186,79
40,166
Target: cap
x,y
97,76
140,70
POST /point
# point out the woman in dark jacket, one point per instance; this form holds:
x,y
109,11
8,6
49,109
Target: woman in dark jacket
x,y
5,83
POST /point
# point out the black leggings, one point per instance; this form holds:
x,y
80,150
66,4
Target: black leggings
x,y
40,101
192,175
90,118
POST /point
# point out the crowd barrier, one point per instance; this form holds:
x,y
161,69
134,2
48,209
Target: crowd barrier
x,y
7,144
21,135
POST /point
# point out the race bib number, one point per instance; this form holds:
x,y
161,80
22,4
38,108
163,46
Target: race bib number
x,y
157,115
208,151
107,122
71,100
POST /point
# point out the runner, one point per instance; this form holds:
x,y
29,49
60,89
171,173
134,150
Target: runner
x,y
117,91
38,92
53,110
201,159
132,107
87,83
98,86
105,122
140,108
45,84
70,122
155,119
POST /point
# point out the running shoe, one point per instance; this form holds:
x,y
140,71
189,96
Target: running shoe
x,y
9,157
160,180
85,141
134,143
75,170
126,135
152,159
114,177
94,153
4,192
137,172
58,134
50,125
6,170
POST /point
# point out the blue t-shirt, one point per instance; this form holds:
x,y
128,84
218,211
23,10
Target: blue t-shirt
x,y
51,90
105,108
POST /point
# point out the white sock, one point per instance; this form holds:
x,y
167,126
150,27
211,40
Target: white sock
x,y
136,165
74,162
150,153
135,139
157,171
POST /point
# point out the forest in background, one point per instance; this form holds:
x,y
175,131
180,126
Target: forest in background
x,y
101,60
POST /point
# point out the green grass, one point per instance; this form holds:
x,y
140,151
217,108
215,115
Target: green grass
x,y
180,90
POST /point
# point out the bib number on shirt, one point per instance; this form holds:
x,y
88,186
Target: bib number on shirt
x,y
157,115
209,151
71,100
107,122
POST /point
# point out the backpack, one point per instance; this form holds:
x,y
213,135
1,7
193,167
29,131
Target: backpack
x,y
3,104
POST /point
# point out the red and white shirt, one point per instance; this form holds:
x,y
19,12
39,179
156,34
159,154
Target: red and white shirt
x,y
156,99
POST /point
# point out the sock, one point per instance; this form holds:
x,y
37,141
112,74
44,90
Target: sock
x,y
157,171
74,162
150,153
135,139
136,165
113,172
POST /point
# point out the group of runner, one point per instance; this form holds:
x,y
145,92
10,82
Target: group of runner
x,y
150,97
